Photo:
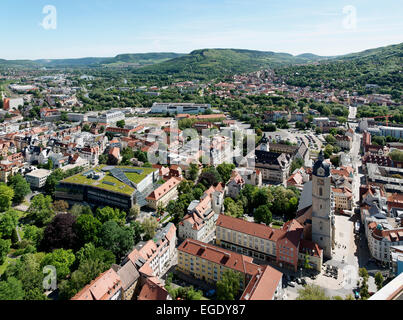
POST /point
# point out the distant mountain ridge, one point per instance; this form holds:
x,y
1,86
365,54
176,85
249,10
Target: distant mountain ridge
x,y
139,59
206,64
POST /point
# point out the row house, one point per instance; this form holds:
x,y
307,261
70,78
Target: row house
x,y
209,263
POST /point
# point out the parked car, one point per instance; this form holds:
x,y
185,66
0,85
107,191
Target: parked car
x,y
292,284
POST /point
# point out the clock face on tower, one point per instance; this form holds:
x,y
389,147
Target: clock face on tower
x,y
321,172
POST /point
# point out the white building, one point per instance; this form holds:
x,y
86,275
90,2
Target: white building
x,y
37,178
108,117
77,117
171,108
200,222
381,237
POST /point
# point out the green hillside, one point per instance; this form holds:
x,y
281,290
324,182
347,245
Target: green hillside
x,y
211,63
380,66
140,59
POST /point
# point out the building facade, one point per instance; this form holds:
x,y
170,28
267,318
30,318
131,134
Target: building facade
x,y
323,223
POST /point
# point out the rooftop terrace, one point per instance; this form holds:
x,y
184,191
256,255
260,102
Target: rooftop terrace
x,y
107,180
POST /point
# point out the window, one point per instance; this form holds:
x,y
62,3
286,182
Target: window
x,y
320,192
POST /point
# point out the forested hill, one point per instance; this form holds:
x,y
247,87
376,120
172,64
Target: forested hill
x,y
135,60
212,63
382,67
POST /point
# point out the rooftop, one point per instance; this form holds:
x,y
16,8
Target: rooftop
x,y
108,181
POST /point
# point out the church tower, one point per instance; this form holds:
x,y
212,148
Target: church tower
x,y
323,224
265,144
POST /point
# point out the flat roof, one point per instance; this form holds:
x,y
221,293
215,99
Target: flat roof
x,y
40,173
109,182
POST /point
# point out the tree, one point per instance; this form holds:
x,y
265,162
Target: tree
x,y
138,231
62,260
41,210
335,161
90,252
49,164
11,289
20,186
260,197
87,228
364,293
6,195
8,223
86,272
312,292
115,238
60,233
51,182
121,123
232,208
210,177
328,151
33,234
4,249
107,213
149,226
296,164
307,264
27,269
229,285
263,214
86,128
60,206
193,171
225,171
77,209
379,280
134,212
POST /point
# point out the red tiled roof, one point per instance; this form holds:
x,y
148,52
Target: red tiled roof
x,y
263,284
164,189
102,288
219,256
251,228
153,290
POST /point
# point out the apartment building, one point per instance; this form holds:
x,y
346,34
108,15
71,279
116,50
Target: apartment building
x,y
165,193
107,286
343,198
208,263
381,238
200,222
154,256
344,142
281,246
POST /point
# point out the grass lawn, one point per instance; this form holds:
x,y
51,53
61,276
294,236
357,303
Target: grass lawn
x,y
276,227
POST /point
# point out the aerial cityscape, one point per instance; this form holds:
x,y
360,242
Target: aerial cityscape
x,y
217,161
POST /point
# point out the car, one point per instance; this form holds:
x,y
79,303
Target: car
x,y
303,282
292,284
298,280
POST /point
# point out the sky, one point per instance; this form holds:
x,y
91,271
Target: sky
x,y
105,28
